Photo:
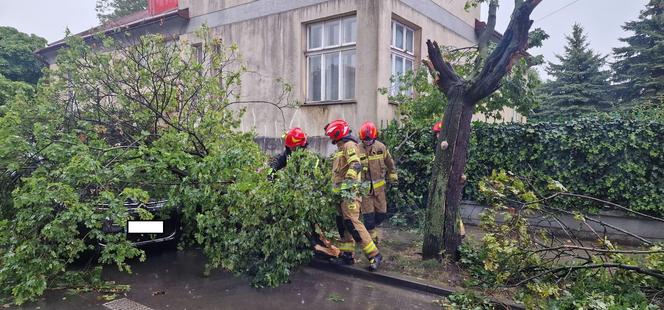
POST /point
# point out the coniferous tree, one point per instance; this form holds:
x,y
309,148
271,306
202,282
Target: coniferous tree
x,y
639,66
579,84
108,10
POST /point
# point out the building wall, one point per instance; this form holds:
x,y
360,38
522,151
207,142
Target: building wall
x,y
456,7
201,7
507,115
271,36
273,48
427,24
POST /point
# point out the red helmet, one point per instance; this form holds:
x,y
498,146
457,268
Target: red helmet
x,y
295,137
437,126
368,131
337,129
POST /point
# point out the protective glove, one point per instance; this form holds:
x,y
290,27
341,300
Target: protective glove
x,y
393,179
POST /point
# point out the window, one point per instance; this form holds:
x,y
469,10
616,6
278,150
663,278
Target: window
x,y
197,53
331,60
403,55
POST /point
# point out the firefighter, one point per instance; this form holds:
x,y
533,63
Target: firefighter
x,y
436,132
377,167
346,179
293,139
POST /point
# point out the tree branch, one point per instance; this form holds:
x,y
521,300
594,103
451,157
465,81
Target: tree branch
x,y
646,241
605,251
650,272
485,37
512,46
443,72
611,204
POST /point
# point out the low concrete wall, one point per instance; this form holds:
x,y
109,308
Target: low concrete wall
x,y
274,146
643,227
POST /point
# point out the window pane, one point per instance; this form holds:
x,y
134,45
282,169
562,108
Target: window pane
x,y
332,76
332,33
398,65
392,76
198,53
348,74
397,73
409,65
409,40
349,29
315,35
398,40
314,78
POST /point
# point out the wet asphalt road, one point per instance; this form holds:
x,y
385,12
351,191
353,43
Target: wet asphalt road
x,y
174,280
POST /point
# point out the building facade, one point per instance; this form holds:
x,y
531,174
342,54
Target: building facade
x,y
336,54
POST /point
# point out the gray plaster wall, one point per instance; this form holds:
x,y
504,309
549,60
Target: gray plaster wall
x,y
271,36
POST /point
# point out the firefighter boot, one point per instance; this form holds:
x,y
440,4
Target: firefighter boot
x,y
374,262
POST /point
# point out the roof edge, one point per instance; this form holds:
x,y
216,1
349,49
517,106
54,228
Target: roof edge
x,y
184,14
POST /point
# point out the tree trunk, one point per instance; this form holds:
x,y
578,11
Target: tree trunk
x,y
455,184
441,230
434,226
441,227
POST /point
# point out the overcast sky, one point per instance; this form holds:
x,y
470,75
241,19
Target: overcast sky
x,y
600,18
48,18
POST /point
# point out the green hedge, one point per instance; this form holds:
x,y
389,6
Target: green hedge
x,y
612,159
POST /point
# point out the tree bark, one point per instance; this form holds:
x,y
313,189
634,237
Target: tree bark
x,y
451,234
441,227
434,227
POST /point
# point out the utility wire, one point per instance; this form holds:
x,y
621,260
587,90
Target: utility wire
x,y
558,10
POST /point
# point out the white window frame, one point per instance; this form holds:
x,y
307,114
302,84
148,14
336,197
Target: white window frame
x,y
406,29
401,52
323,50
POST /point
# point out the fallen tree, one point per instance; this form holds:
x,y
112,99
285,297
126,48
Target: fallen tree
x,y
554,269
141,119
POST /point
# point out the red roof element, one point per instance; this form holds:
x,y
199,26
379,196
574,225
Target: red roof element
x,y
156,7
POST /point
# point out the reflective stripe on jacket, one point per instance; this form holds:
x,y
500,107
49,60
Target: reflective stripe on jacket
x,y
377,164
346,164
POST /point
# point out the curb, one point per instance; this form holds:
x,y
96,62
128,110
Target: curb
x,y
398,281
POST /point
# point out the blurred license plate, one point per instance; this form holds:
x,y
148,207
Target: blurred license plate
x,y
145,227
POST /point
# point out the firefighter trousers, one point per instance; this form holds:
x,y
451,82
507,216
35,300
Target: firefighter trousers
x,y
374,210
352,230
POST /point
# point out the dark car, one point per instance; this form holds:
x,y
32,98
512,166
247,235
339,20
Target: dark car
x,y
169,215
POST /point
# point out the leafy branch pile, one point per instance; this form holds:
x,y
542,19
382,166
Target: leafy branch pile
x,y
557,269
259,227
147,121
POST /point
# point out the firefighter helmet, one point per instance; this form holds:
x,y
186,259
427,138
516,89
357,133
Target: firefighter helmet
x,y
368,131
337,129
295,137
437,127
